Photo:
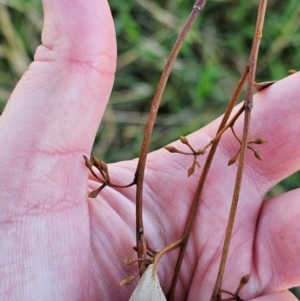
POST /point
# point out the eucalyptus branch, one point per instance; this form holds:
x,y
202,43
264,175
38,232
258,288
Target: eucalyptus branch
x,y
249,70
140,171
201,182
248,107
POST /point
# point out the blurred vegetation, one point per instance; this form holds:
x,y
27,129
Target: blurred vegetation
x,y
203,78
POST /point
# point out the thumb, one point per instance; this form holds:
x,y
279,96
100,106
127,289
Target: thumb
x,y
52,116
57,105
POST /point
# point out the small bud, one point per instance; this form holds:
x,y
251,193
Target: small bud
x,y
292,71
126,281
171,149
201,151
131,261
258,155
191,170
96,163
94,193
128,261
260,140
245,279
232,161
95,160
88,163
234,158
184,140
103,166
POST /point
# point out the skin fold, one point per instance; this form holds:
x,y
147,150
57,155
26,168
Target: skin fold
x,y
57,244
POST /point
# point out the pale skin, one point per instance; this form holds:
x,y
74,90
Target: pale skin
x,y
57,244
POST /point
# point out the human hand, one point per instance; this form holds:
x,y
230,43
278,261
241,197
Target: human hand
x,y
57,244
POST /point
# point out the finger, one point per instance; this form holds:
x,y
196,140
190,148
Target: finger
x,y
277,243
216,198
53,114
49,122
60,100
275,116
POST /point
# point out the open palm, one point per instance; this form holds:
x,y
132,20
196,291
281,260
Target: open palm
x,y
57,244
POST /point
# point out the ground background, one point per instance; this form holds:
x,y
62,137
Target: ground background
x,y
204,76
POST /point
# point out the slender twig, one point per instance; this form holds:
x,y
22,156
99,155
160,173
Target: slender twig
x,y
235,135
105,181
140,171
248,107
206,167
225,128
167,249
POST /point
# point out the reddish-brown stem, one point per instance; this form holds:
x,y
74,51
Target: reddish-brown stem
x,y
248,107
225,128
206,167
235,135
140,171
167,249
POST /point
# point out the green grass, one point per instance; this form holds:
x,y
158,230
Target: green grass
x,y
203,78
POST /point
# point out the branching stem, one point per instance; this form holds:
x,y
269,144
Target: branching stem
x,y
206,167
248,107
225,128
140,171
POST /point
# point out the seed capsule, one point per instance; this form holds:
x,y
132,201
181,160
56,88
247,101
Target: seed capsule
x,y
171,149
258,155
183,140
201,151
191,170
260,140
126,281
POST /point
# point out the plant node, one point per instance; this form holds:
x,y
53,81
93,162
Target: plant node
x,y
102,167
130,261
193,152
257,154
150,251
